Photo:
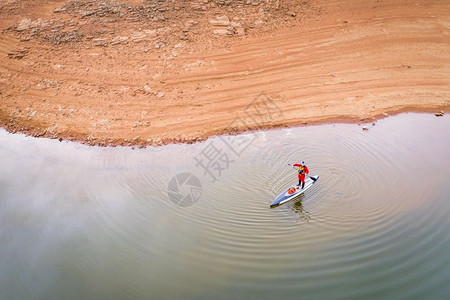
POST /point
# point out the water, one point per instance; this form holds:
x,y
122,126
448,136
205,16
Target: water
x,y
86,222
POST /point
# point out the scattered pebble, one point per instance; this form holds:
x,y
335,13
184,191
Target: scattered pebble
x,y
148,89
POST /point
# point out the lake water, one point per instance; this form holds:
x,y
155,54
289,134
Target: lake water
x,y
193,221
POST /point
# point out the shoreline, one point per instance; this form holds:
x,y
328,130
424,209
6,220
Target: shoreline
x,y
139,73
368,121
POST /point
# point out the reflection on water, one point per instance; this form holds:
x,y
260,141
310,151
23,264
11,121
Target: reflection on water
x,y
86,222
300,210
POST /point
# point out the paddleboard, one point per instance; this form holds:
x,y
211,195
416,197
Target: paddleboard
x,y
294,191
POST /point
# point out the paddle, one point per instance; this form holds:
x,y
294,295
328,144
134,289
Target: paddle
x,y
312,178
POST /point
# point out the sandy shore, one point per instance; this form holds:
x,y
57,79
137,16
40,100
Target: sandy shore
x,y
132,73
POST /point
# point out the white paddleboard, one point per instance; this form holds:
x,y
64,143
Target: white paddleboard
x,y
294,191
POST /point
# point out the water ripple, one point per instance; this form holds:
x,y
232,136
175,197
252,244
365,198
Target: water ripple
x,y
373,225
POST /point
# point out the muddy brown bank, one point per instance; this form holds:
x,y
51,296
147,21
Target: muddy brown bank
x,y
149,73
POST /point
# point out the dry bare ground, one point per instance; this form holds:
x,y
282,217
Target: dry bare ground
x,y
154,72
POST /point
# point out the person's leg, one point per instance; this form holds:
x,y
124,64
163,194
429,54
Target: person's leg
x,y
302,178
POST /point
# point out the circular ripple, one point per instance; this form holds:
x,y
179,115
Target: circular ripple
x,y
370,223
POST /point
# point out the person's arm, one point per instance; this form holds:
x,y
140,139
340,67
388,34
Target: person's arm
x,y
306,170
296,165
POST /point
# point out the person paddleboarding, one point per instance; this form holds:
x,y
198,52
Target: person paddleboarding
x,y
294,191
302,172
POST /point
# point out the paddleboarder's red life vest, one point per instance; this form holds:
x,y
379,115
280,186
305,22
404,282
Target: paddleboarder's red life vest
x,y
302,170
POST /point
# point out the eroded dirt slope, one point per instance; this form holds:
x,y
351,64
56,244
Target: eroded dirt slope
x,y
153,72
